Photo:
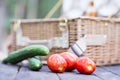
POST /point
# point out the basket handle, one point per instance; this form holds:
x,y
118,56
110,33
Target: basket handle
x,y
16,25
63,26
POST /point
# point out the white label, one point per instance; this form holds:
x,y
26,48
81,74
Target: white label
x,y
96,39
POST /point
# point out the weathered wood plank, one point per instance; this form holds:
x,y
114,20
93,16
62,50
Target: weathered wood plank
x,y
105,75
43,74
76,76
114,69
7,71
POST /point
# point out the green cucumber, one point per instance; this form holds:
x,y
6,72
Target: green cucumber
x,y
26,52
37,57
35,64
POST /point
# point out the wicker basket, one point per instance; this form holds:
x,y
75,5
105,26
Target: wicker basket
x,y
105,33
44,30
108,52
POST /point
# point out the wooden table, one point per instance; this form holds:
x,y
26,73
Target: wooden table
x,y
17,72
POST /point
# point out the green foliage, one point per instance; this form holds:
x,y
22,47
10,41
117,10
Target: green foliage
x,y
32,9
45,6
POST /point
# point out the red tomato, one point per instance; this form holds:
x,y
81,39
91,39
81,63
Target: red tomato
x,y
70,59
56,63
85,65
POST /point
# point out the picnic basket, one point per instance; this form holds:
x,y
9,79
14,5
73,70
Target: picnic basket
x,y
102,36
43,31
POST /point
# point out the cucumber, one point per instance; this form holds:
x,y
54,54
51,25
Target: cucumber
x,y
37,57
26,52
35,64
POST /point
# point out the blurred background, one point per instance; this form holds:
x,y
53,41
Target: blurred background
x,y
42,9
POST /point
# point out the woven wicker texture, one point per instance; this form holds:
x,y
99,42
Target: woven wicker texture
x,y
41,30
106,54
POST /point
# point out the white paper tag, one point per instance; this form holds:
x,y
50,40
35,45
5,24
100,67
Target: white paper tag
x,y
96,39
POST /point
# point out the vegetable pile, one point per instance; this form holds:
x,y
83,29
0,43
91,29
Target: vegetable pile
x,y
57,63
67,62
28,52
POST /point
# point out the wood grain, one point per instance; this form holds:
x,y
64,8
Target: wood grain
x,y
113,69
7,71
77,76
43,74
105,75
14,72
